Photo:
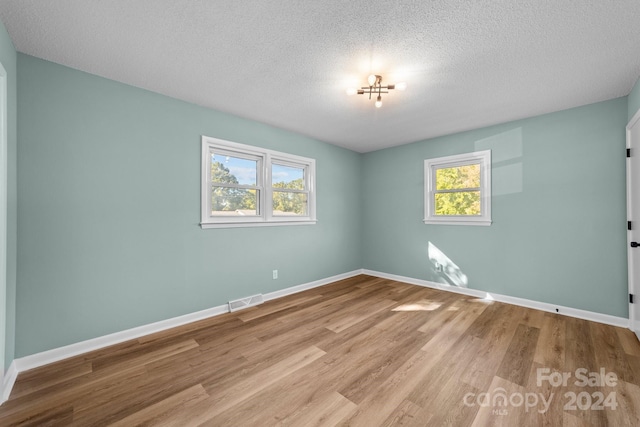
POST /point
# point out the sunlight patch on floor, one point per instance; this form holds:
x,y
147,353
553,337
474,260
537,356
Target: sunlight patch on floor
x,y
422,305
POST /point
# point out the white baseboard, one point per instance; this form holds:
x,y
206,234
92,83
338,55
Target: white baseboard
x,y
295,289
9,380
552,308
54,355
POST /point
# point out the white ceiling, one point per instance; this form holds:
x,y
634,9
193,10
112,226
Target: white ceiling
x,y
288,63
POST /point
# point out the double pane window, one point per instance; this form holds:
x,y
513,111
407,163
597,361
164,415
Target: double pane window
x,y
244,185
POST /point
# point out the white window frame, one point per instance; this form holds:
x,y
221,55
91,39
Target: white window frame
x,y
431,165
265,159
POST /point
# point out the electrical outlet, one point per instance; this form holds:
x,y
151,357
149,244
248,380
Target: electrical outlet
x,y
275,274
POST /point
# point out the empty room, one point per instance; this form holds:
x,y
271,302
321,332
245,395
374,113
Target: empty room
x,y
292,213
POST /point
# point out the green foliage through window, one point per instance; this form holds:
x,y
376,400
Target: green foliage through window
x,y
247,186
458,190
460,177
289,202
230,198
227,200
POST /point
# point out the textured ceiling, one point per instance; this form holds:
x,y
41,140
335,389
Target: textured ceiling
x,y
288,63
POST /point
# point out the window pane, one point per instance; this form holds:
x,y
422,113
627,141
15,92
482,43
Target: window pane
x,y
287,177
459,203
229,201
233,170
467,176
287,203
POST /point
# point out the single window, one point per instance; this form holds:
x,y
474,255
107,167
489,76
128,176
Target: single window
x,y
234,184
458,189
245,186
290,194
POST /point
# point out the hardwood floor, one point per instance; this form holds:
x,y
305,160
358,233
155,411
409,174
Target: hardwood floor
x,y
360,352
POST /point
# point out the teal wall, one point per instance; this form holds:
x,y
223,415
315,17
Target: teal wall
x,y
108,183
109,207
558,208
8,294
634,100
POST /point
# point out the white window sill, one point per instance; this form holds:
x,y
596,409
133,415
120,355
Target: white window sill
x,y
206,225
456,222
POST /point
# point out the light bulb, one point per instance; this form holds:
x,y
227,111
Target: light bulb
x,y
379,102
372,79
401,86
351,91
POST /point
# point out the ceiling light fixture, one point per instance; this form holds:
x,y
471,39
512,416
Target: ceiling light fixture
x,y
375,88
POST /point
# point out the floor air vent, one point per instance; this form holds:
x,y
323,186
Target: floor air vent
x,y
241,303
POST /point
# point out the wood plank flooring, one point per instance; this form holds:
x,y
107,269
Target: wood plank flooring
x,y
359,352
